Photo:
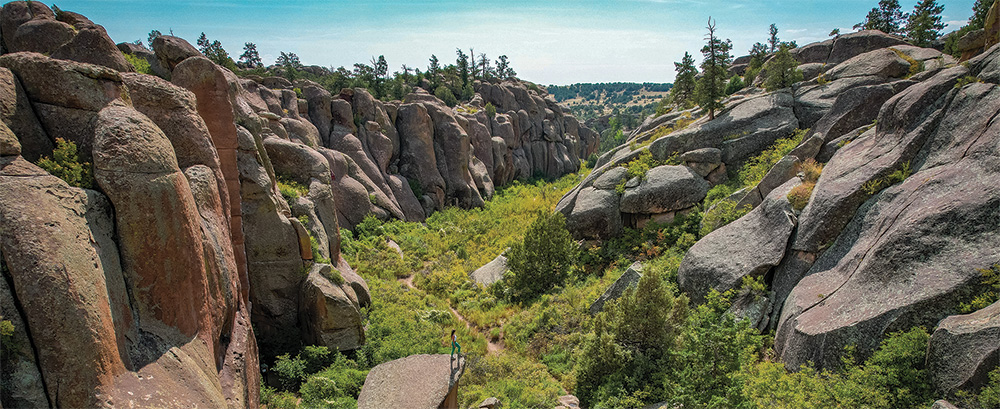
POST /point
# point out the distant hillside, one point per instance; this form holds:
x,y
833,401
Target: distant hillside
x,y
589,100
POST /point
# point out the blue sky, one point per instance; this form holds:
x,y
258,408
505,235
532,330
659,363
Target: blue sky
x,y
548,42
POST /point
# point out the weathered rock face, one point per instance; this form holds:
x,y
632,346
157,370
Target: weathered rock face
x,y
491,272
330,311
911,251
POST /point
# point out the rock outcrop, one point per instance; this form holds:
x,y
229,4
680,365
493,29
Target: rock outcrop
x,y
896,229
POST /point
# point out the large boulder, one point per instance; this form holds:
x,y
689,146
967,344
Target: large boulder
x,y
963,350
850,45
65,95
841,188
883,62
172,50
329,311
664,189
19,117
60,283
595,214
490,272
747,247
417,381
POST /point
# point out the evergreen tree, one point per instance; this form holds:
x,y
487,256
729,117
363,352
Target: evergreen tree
x,y
712,86
781,71
758,55
290,63
156,33
433,70
250,58
379,73
772,40
924,25
463,66
503,68
888,17
683,91
979,12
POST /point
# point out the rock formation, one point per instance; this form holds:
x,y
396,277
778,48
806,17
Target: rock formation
x,y
897,226
141,289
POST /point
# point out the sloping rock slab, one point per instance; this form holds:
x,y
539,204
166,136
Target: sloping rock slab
x,y
665,188
415,382
749,246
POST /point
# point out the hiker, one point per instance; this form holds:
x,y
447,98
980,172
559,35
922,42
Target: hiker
x,y
454,344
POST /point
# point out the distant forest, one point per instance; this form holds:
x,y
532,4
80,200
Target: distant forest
x,y
625,91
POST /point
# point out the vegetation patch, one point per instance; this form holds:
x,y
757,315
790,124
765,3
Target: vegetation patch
x,y
755,168
65,164
990,291
140,64
916,67
877,185
291,189
799,195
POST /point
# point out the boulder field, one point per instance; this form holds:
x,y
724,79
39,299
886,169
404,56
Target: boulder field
x,y
159,283
897,229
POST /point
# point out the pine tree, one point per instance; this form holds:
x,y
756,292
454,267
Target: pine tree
x,y
503,68
156,33
781,71
203,43
290,63
433,70
712,86
924,25
463,66
772,40
250,58
979,12
683,91
888,17
758,55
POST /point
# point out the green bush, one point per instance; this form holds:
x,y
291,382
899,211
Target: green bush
x,y
725,211
894,377
517,382
592,161
291,189
542,260
291,371
340,381
65,164
491,111
140,64
755,168
445,95
989,294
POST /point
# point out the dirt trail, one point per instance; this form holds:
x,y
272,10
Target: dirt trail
x,y
492,347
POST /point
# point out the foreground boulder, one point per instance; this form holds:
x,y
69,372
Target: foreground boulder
x,y
417,381
963,350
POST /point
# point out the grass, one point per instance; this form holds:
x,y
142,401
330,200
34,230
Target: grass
x,y
877,185
799,195
915,66
291,189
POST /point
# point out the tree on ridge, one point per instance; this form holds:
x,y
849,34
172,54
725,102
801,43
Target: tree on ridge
x,y
924,25
711,89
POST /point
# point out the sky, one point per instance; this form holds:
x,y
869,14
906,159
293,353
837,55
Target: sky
x,y
548,42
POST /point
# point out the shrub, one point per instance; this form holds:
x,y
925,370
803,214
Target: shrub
x,y
65,164
517,382
990,291
989,395
894,377
542,260
755,168
799,195
6,336
724,212
339,382
140,64
491,111
445,95
291,189
291,371
592,161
